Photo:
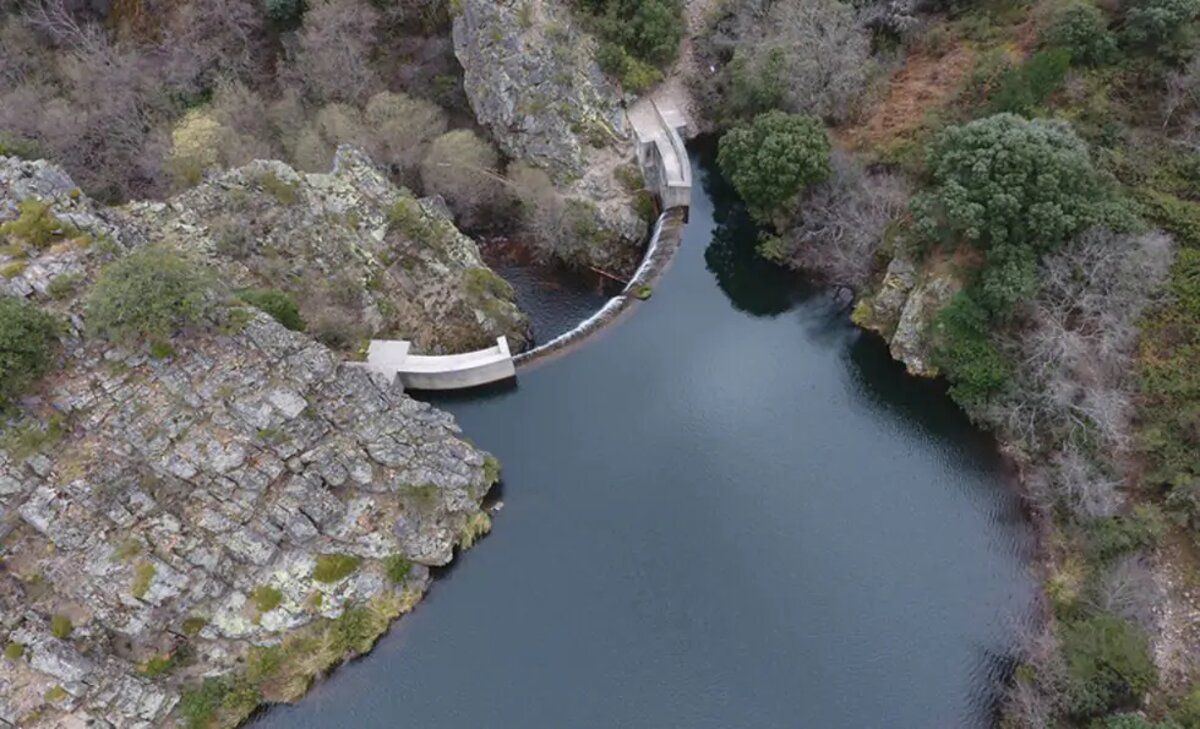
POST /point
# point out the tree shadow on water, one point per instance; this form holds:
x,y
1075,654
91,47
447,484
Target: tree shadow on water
x,y
753,284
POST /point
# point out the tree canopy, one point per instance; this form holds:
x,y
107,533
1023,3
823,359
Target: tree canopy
x,y
773,158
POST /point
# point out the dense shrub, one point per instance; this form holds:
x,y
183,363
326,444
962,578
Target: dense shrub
x,y
1024,88
1082,29
27,337
279,304
757,83
1108,664
1005,180
634,74
1163,27
150,294
1111,537
647,30
284,11
773,158
332,568
1133,721
964,352
1169,378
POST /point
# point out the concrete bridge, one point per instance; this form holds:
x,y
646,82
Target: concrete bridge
x,y
663,159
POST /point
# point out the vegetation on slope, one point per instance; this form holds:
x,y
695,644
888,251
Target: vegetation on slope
x,y
1065,134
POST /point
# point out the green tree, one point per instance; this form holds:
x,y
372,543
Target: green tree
x,y
1163,27
1082,29
648,30
1016,188
1005,180
772,159
284,11
150,294
27,338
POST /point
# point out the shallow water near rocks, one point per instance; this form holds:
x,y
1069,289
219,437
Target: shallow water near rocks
x,y
731,510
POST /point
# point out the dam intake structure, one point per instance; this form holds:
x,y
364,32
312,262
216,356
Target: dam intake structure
x,y
665,166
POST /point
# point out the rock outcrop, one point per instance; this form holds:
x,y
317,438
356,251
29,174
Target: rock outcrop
x,y
533,81
902,310
361,257
184,537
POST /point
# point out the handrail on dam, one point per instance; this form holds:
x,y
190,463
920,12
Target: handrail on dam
x,y
664,162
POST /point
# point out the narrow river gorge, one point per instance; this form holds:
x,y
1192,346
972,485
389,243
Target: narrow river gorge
x,y
731,510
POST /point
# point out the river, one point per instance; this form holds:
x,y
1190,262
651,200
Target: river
x,y
732,509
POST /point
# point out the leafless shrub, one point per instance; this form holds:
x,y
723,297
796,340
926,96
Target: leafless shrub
x,y
1072,477
54,19
334,125
1130,591
1035,698
211,39
817,53
401,129
245,115
842,222
97,118
334,55
895,17
464,169
543,210
1073,357
1181,105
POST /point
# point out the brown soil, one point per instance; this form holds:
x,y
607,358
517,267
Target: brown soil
x,y
924,83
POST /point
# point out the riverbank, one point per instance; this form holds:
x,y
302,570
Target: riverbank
x,y
693,533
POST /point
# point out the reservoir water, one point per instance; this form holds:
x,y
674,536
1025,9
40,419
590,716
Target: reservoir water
x,y
732,509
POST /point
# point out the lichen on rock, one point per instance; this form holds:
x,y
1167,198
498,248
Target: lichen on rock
x,y
532,80
160,533
903,307
361,257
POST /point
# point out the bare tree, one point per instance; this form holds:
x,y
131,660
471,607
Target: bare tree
x,y
1130,591
211,39
1071,399
1181,105
401,129
98,118
815,56
842,222
465,170
335,46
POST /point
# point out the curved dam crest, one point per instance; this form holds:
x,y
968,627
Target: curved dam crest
x,y
665,166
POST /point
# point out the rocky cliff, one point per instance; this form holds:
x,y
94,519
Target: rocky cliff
x,y
187,536
903,307
532,80
361,257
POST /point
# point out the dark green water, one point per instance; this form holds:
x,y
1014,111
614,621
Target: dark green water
x,y
731,510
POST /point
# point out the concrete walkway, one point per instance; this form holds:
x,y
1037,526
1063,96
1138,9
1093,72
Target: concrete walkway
x,y
391,359
661,153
